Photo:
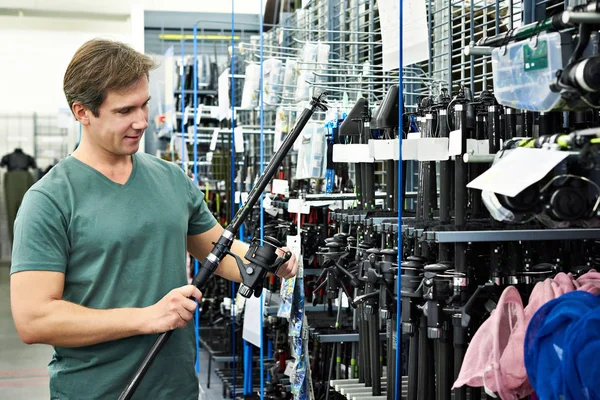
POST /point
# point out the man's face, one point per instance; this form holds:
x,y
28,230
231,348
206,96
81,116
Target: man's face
x,y
122,120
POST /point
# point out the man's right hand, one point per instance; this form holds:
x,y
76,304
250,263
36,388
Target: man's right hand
x,y
174,310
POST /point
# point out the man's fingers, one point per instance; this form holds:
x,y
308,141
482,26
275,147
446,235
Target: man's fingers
x,y
191,291
185,315
189,305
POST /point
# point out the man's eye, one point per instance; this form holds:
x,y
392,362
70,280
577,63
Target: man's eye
x,y
124,111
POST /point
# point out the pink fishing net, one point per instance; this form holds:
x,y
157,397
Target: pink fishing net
x,y
495,357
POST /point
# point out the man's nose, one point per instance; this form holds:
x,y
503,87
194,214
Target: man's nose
x,y
141,120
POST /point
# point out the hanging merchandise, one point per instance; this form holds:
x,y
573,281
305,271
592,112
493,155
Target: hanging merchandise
x,y
307,65
251,84
287,297
272,78
290,78
311,153
281,127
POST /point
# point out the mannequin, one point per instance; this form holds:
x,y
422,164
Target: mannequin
x,y
17,181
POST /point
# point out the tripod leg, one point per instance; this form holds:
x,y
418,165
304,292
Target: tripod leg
x,y
460,340
424,361
391,360
375,354
365,359
331,365
413,365
442,369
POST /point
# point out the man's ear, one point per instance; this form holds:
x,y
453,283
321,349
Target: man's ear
x,y
82,114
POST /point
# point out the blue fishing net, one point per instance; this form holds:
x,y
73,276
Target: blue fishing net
x,y
562,348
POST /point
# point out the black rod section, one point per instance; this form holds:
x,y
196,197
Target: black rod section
x,y
460,170
442,369
390,184
390,326
444,172
413,365
373,322
477,169
511,123
220,249
424,361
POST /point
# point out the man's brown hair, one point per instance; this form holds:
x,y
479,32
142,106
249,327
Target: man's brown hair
x,y
102,65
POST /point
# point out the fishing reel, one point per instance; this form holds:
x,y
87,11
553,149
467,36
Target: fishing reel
x,y
262,259
567,196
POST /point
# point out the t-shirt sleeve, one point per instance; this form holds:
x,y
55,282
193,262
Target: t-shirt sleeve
x,y
40,236
201,219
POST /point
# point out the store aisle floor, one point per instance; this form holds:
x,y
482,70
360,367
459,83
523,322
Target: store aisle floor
x,y
23,372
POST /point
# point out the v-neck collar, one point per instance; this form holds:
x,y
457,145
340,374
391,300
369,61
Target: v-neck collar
x,y
107,179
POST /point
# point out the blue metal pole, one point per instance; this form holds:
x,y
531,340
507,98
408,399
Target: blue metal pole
x,y
262,168
232,196
400,200
197,313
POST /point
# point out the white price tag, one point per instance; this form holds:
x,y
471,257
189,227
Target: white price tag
x,y
253,320
384,149
410,149
358,153
213,139
455,143
472,146
293,243
483,146
339,153
433,149
244,197
506,176
413,135
297,206
289,368
281,186
239,139
238,197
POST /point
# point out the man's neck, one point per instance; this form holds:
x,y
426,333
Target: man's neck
x,y
100,159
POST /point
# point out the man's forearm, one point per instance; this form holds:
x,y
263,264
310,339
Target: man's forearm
x,y
61,323
228,268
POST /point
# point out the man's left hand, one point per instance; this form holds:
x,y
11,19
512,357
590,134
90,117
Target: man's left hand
x,y
289,268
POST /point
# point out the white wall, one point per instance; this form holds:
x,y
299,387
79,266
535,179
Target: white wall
x,y
34,54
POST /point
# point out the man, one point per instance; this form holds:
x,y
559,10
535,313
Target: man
x,y
98,263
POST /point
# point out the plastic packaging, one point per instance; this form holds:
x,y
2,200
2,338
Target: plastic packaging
x,y
287,296
297,314
251,86
308,64
523,72
313,146
272,77
290,78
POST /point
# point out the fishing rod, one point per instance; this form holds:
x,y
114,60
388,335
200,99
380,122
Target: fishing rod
x,y
261,255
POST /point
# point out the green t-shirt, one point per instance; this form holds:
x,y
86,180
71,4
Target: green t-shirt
x,y
119,246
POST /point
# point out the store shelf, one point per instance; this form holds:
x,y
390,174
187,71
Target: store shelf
x,y
201,92
342,337
514,235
